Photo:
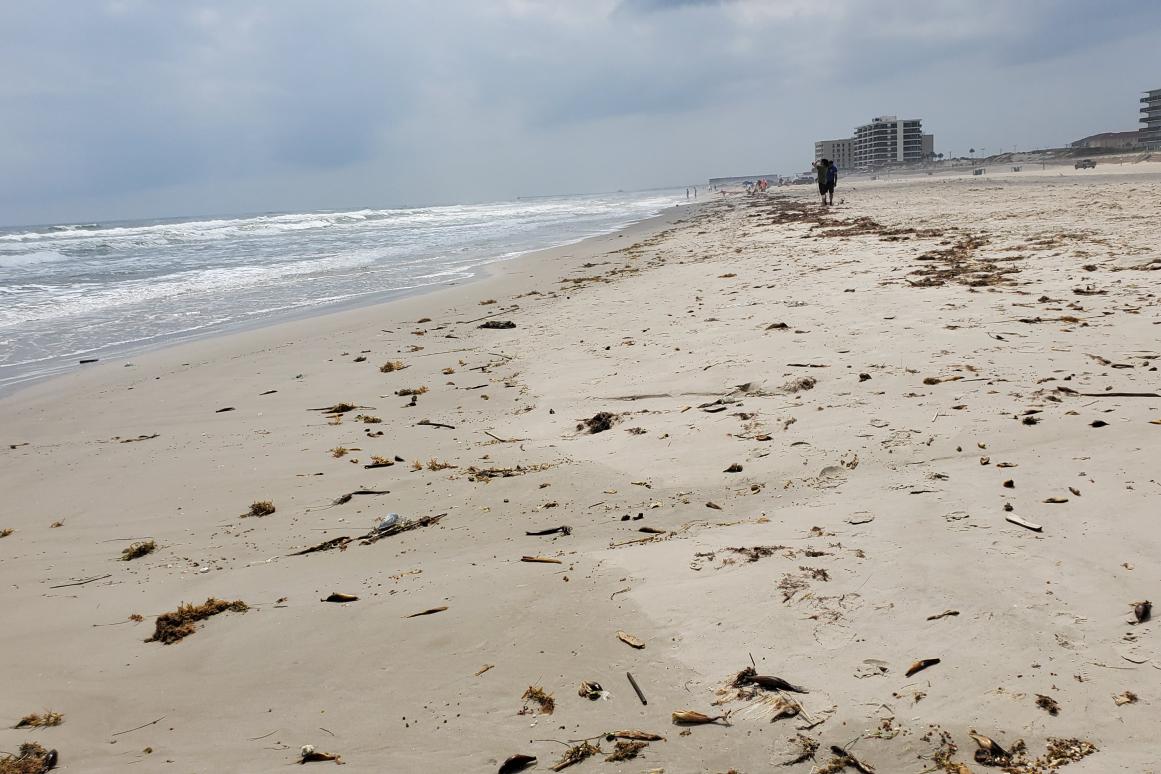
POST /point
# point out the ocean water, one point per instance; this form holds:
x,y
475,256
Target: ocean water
x,y
100,290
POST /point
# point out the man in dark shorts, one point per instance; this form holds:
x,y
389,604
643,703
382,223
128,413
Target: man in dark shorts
x,y
827,174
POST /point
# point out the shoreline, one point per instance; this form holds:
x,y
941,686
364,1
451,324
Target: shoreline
x,y
479,272
828,443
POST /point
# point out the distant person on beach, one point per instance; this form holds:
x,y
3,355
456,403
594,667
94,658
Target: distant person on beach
x,y
822,170
686,193
831,179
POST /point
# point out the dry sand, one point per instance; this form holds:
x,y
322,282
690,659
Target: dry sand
x,y
869,498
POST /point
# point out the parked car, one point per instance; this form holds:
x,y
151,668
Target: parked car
x,y
1084,164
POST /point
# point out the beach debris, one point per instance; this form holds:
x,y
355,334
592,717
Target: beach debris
x,y
516,763
31,758
326,545
630,640
1098,423
651,530
920,665
391,366
339,452
140,438
403,393
734,468
944,614
695,718
598,423
636,734
177,625
1142,611
6,532
225,409
592,691
778,326
847,759
576,754
540,696
750,676
1048,704
807,748
310,755
367,419
487,474
498,325
563,529
1128,697
799,384
623,751
991,752
712,504
429,611
637,689
260,508
138,550
37,720
379,462
1055,500
340,408
1025,524
337,597
484,668
541,559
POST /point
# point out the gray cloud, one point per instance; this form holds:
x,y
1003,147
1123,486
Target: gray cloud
x,y
121,108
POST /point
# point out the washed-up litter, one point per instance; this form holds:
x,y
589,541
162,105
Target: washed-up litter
x,y
31,758
1142,611
590,690
576,754
138,550
387,528
630,640
516,763
695,718
564,529
541,697
750,676
637,689
624,751
1128,697
635,734
1025,524
310,755
498,324
540,559
177,625
37,720
920,665
429,611
337,597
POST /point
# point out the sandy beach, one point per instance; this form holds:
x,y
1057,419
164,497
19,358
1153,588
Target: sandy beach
x,y
895,453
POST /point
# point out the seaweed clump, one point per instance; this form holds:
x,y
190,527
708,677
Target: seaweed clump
x,y
31,759
177,625
138,550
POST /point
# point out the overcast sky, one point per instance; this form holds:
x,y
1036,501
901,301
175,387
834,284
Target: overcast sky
x,y
133,108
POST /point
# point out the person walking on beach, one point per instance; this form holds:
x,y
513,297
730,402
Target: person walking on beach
x,y
822,172
831,179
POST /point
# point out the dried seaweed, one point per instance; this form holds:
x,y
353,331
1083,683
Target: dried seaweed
x,y
138,550
31,758
392,365
537,694
624,751
598,423
260,508
576,754
177,625
36,720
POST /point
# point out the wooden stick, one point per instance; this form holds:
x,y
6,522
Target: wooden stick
x,y
429,423
1026,524
81,583
636,688
541,559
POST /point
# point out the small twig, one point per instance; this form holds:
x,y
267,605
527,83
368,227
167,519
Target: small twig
x,y
256,738
636,688
150,723
332,733
81,583
429,423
